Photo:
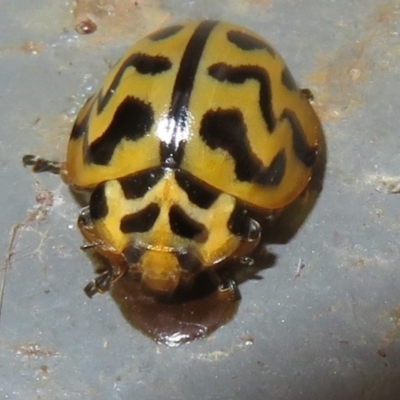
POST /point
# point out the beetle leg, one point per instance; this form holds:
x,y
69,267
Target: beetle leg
x,y
99,285
227,287
103,282
253,231
250,239
40,164
246,260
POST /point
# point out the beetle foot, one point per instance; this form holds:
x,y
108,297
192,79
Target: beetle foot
x,y
229,288
40,164
99,285
103,282
246,260
253,233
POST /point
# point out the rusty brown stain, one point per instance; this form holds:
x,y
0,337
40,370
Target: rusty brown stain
x,y
34,350
31,47
86,27
395,316
392,334
261,2
114,19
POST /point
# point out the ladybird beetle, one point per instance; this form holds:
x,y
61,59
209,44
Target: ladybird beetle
x,y
196,129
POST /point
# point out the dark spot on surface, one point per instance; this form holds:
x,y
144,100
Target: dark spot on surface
x,y
304,152
165,32
141,221
132,120
98,202
137,185
225,129
248,42
196,191
238,75
86,27
182,225
288,80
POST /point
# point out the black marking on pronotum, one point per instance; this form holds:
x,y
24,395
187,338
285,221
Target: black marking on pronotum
x,y
248,42
98,202
171,150
304,152
132,120
144,64
141,221
197,193
238,75
165,33
182,225
137,185
287,79
225,129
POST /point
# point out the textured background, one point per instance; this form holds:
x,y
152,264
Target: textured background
x,y
331,331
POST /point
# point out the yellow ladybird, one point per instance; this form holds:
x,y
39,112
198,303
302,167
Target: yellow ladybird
x,y
198,125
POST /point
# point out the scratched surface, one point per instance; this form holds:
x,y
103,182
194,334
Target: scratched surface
x,y
328,330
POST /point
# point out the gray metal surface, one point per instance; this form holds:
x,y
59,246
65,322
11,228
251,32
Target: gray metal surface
x,y
330,330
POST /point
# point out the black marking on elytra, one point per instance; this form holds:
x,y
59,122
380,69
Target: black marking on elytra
x,y
225,129
273,174
182,225
198,193
189,262
98,202
288,80
141,221
80,128
248,42
132,120
171,150
239,75
165,33
144,64
132,254
304,152
137,185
